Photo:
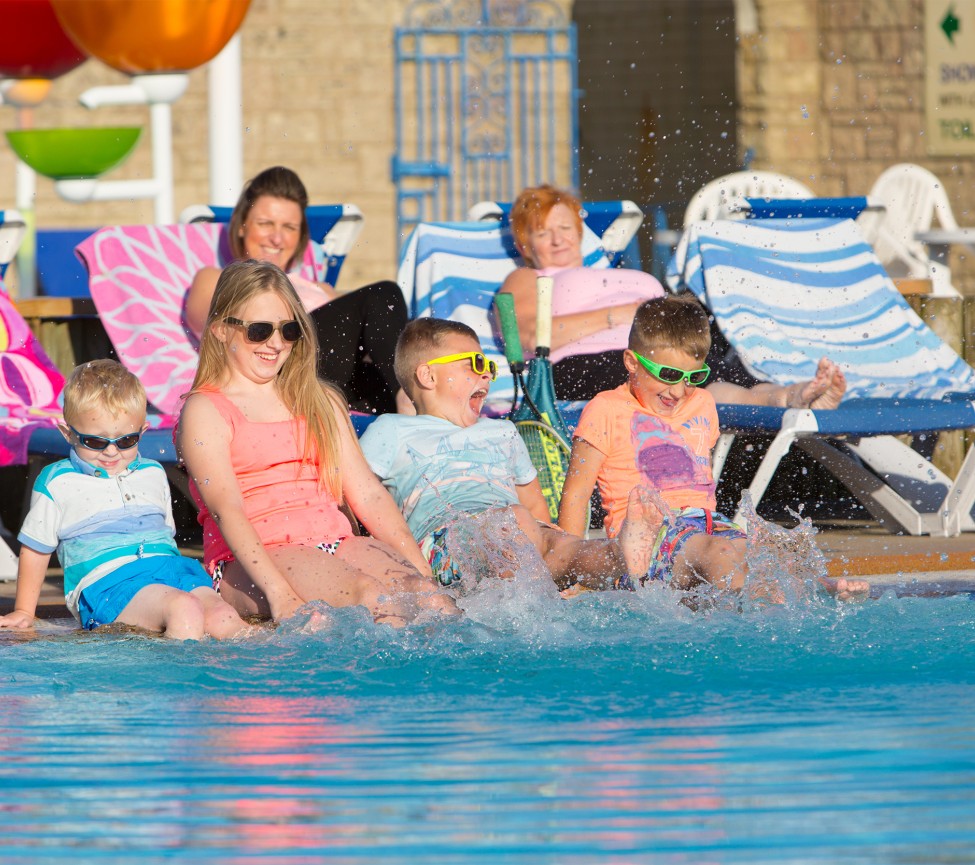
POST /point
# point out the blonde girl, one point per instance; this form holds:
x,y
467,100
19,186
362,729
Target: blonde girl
x,y
273,458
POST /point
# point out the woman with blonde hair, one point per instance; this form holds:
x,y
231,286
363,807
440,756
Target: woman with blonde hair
x,y
272,458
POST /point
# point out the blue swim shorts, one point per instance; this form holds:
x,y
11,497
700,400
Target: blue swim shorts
x,y
675,533
434,549
102,602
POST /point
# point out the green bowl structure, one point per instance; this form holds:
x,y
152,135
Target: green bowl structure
x,y
68,153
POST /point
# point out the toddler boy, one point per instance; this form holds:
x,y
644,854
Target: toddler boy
x,y
108,513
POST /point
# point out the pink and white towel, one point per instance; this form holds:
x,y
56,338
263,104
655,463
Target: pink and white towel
x,y
30,385
139,276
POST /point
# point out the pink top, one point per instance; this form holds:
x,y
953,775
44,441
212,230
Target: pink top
x,y
282,499
670,454
309,293
582,289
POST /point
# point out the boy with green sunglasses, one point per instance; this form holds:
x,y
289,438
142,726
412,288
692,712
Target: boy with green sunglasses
x,y
657,431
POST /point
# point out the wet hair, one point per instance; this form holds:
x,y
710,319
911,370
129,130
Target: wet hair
x,y
672,321
276,182
532,208
297,382
102,384
418,341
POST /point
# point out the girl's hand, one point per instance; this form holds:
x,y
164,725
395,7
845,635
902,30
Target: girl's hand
x,y
284,605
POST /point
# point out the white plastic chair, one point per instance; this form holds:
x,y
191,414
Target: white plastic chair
x,y
724,198
914,200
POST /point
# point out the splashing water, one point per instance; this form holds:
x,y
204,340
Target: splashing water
x,y
503,569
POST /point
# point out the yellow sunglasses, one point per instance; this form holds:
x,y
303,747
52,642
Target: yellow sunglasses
x,y
479,363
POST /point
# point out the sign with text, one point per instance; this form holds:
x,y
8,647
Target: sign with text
x,y
949,90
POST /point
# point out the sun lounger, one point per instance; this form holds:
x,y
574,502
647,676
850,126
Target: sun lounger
x,y
615,223
454,269
786,292
29,383
139,275
334,227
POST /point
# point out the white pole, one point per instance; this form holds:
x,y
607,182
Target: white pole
x,y
226,125
162,160
26,256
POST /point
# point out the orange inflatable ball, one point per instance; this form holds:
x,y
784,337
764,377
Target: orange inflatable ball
x,y
32,43
151,35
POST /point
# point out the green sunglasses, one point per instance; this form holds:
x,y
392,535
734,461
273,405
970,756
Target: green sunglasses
x,y
672,375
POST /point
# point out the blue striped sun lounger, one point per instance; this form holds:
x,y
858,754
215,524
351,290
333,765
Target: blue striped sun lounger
x,y
453,270
785,293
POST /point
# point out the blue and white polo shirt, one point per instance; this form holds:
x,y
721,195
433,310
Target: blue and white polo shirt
x,y
98,522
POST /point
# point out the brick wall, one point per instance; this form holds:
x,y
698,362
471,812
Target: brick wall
x,y
317,96
832,92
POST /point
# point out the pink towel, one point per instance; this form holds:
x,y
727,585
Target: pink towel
x,y
29,385
139,276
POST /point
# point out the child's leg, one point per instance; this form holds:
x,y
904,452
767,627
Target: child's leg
x,y
220,619
599,564
362,572
395,575
721,563
846,590
178,614
710,559
155,593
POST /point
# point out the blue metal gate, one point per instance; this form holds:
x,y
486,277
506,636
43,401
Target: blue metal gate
x,y
486,103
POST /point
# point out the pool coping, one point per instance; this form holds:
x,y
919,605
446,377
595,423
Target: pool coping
x,y
863,551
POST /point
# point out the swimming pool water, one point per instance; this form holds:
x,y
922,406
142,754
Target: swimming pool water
x,y
614,728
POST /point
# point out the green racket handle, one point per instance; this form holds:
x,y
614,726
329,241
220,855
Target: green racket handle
x,y
505,304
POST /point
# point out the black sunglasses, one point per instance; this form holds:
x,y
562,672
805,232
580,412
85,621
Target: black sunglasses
x,y
260,331
100,443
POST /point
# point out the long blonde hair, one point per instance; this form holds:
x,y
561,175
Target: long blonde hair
x,y
297,384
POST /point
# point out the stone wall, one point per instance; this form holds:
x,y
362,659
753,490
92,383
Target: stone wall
x,y
832,92
317,96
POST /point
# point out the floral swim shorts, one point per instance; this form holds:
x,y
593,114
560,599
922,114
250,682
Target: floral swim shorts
x,y
434,549
330,547
674,533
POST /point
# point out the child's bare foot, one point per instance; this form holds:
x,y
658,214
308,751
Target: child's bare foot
x,y
825,390
639,531
846,590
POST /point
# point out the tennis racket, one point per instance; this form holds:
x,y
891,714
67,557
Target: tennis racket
x,y
539,423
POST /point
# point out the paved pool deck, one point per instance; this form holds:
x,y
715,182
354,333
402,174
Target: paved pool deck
x,y
915,565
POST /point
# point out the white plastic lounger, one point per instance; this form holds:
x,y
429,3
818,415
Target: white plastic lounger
x,y
786,292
